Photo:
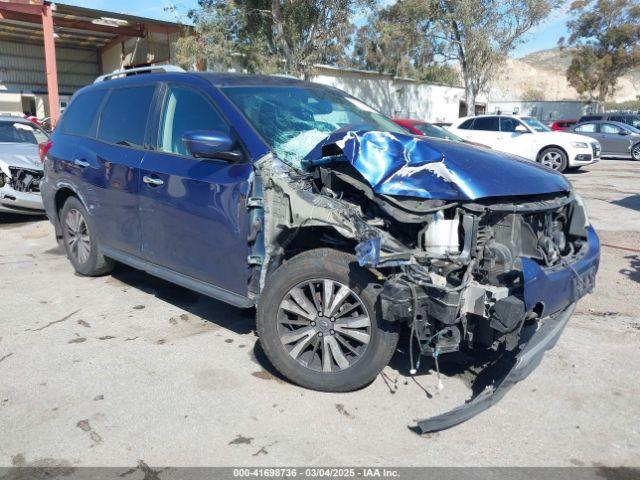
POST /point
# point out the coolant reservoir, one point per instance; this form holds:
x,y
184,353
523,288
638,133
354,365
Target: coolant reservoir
x,y
441,237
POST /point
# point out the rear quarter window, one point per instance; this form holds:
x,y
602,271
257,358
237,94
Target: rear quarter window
x,y
79,117
124,116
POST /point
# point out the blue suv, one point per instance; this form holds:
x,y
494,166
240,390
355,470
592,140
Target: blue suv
x,y
336,223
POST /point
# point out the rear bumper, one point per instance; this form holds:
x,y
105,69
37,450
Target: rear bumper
x,y
523,364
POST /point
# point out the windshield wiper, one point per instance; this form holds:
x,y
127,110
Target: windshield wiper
x,y
125,143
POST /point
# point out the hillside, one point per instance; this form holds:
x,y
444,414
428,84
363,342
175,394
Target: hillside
x,y
544,72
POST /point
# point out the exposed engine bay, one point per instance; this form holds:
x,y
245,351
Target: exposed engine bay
x,y
22,179
455,272
451,271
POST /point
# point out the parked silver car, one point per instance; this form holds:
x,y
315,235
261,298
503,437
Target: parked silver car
x,y
616,138
20,166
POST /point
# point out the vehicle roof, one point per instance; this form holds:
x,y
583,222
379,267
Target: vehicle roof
x,y
248,80
565,120
612,122
217,79
15,119
412,121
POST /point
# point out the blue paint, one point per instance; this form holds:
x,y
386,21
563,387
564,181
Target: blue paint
x,y
409,165
555,287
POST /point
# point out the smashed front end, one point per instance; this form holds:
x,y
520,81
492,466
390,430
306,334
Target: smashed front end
x,y
469,250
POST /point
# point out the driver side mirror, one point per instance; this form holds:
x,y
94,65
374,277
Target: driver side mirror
x,y
623,132
211,144
520,129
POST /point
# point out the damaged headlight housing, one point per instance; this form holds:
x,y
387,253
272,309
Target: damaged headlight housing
x,y
581,203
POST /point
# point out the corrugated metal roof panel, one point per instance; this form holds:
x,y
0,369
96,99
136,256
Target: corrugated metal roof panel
x,y
22,67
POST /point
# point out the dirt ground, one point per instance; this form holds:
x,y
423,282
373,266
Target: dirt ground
x,y
113,370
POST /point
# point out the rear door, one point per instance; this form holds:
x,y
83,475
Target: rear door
x,y
111,164
589,129
486,130
193,210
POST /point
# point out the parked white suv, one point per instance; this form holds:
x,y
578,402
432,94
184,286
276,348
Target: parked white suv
x,y
528,138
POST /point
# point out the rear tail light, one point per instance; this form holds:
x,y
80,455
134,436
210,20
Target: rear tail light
x,y
43,149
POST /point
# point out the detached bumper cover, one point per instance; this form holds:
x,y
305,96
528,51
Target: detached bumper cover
x,y
558,289
523,364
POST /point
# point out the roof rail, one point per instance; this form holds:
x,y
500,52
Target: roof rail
x,y
135,71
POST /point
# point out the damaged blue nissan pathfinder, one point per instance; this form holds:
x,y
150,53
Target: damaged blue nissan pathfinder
x,y
339,226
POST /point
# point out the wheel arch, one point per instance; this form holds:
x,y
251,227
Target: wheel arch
x,y
64,192
547,147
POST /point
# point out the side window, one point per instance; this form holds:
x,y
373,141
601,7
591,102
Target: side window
x,y
79,118
185,109
609,128
466,125
486,123
508,124
124,116
586,127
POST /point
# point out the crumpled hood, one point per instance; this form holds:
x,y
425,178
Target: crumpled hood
x,y
408,165
21,155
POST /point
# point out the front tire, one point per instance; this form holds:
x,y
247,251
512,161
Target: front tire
x,y
554,158
635,152
320,325
80,240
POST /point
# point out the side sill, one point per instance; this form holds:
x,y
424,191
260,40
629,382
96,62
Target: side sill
x,y
179,279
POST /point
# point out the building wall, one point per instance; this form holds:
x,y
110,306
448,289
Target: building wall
x,y
22,68
157,48
22,75
545,111
396,97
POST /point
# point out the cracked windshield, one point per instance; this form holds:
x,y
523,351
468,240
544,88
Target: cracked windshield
x,y
293,120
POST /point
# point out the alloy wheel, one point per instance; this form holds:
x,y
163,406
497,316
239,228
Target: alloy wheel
x,y
78,239
324,325
635,152
552,160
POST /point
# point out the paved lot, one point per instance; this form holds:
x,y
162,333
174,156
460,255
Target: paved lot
x,y
122,368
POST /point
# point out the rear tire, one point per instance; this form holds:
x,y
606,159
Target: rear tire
x,y
338,340
80,240
554,158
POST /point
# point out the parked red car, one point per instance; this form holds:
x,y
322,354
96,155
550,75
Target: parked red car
x,y
562,125
420,127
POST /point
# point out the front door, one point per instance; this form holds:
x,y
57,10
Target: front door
x,y
193,210
613,143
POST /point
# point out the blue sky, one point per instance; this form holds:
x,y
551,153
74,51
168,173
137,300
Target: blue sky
x,y
543,37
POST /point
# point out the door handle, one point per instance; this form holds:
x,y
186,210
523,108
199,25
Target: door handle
x,y
81,163
155,182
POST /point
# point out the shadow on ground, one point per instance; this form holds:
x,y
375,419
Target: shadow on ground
x,y
240,321
10,220
632,202
633,272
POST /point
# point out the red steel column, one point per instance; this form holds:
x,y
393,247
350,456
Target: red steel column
x,y
50,63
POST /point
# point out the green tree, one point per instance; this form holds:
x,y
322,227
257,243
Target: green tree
x,y
481,33
397,40
287,36
605,42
